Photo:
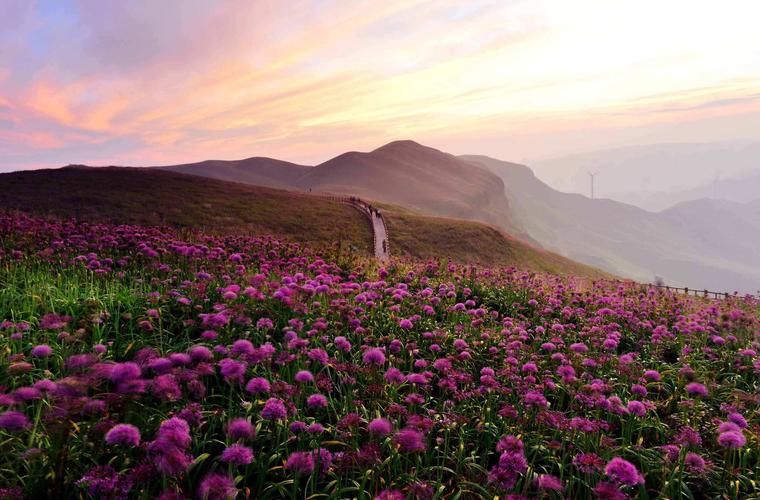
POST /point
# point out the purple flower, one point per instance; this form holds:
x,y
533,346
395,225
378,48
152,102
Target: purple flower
x,y
374,356
13,421
42,351
410,440
405,324
511,465
637,408
172,433
696,389
237,454
123,434
304,377
258,385
732,439
390,495
217,486
316,401
173,461
695,463
380,427
123,372
738,419
232,370
274,409
549,482
240,428
300,462
588,462
624,472
605,490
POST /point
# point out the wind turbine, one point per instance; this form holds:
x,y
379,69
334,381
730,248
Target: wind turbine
x,y
592,175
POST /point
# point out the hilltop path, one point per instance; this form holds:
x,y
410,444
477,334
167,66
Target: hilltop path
x,y
379,231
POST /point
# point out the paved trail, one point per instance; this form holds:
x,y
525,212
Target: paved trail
x,y
381,237
379,231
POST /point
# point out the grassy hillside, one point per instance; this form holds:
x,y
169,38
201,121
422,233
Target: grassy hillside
x,y
158,197
154,197
424,237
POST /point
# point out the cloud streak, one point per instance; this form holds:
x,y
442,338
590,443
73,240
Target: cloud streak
x,y
153,82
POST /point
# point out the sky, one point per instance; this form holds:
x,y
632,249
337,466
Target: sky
x,y
173,81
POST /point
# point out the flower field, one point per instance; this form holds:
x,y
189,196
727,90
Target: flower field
x,y
141,362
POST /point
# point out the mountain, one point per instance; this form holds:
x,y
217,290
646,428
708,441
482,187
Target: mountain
x,y
658,176
159,197
402,173
633,242
419,177
258,170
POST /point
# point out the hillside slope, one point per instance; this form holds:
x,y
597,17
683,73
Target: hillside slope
x,y
259,171
621,238
153,197
422,178
158,197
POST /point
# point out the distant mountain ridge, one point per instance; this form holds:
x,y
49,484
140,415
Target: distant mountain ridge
x,y
697,244
658,176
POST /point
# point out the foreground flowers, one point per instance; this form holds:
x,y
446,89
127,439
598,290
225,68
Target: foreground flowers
x,y
149,365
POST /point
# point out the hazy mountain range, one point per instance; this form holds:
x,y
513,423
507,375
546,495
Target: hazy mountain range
x,y
702,243
659,176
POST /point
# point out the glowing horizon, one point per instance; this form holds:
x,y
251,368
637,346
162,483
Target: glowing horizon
x,y
146,83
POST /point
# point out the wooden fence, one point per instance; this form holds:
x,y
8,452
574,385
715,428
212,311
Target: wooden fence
x,y
699,293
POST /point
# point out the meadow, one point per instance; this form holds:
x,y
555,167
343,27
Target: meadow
x,y
145,362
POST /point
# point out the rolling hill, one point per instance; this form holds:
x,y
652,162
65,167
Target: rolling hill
x,y
402,173
159,197
260,171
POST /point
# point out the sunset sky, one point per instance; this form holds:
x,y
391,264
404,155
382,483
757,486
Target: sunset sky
x,y
158,82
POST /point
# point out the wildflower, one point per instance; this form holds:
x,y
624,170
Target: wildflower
x,y
695,463
123,434
232,370
14,421
173,433
623,472
217,486
688,437
258,385
304,377
122,372
588,462
410,440
637,408
696,389
671,451
405,324
380,427
374,356
652,375
240,428
605,490
390,495
274,409
549,482
237,454
738,419
511,465
732,439
316,401
42,351
300,462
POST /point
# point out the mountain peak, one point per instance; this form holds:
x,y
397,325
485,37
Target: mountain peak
x,y
403,145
